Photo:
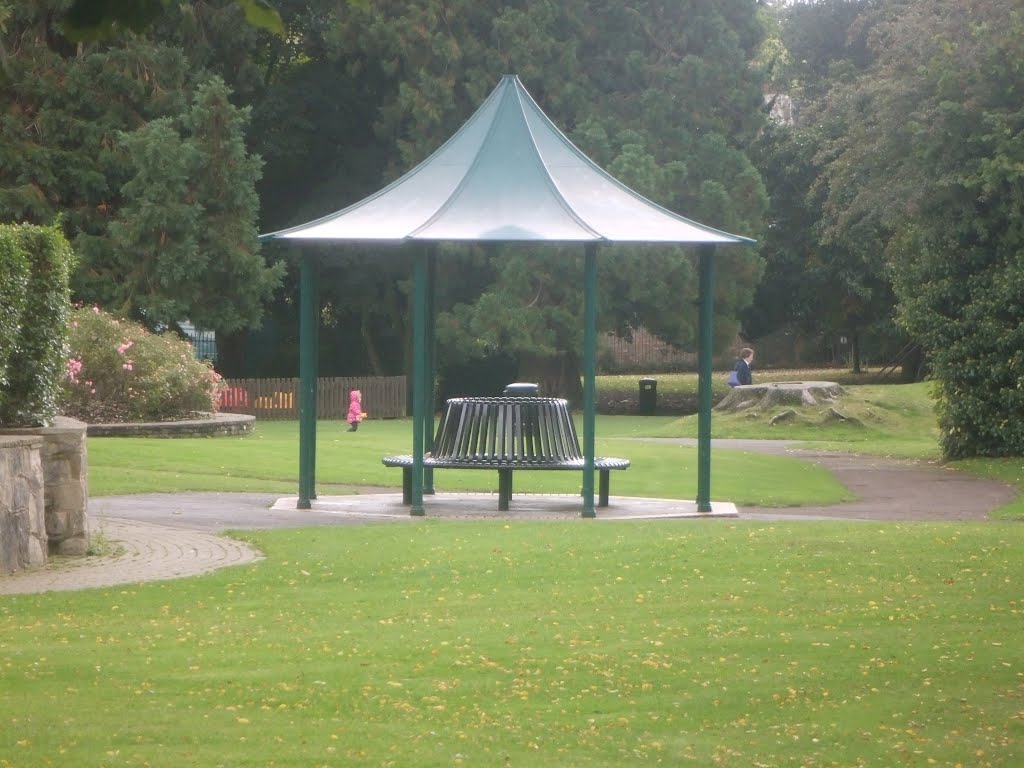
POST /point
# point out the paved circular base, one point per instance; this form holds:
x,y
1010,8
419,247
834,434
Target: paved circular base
x,y
484,506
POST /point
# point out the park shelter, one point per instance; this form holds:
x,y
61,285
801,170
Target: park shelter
x,y
508,175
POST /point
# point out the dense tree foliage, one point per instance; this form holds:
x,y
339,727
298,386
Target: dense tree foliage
x,y
110,136
816,284
97,19
894,193
935,165
349,97
662,95
189,220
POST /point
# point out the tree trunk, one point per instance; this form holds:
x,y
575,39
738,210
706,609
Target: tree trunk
x,y
855,348
231,355
765,396
913,366
376,366
557,376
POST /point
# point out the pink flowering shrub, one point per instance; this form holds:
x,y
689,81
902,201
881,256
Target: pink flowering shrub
x,y
117,371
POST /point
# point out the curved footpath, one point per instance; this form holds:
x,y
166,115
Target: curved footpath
x,y
886,488
167,536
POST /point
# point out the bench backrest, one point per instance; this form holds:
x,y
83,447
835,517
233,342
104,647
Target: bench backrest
x,y
507,429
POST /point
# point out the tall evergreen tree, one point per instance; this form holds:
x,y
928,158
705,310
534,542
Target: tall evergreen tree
x,y
236,284
154,234
187,233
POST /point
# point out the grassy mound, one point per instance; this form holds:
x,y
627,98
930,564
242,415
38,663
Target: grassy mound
x,y
896,419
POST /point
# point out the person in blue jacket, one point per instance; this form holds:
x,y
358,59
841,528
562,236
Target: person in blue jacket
x,y
743,375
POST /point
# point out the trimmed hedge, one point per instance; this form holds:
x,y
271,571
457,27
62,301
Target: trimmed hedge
x,y
37,359
14,274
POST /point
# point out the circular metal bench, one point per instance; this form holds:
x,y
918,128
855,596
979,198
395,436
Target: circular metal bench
x,y
506,434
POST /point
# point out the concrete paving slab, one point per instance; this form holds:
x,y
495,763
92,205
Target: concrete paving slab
x,y
524,506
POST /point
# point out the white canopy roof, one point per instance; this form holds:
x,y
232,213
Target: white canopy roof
x,y
507,175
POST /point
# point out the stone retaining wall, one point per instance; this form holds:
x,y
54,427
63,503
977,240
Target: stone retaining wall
x,y
22,504
215,424
66,478
44,493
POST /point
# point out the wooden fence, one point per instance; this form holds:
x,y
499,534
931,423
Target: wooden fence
x,y
384,397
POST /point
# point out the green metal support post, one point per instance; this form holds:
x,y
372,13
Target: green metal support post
x,y
706,267
589,373
419,384
429,347
308,328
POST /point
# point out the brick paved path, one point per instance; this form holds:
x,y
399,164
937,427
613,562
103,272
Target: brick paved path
x,y
139,552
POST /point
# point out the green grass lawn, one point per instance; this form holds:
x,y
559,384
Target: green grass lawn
x,y
497,643
507,643
626,385
268,461
891,420
1009,471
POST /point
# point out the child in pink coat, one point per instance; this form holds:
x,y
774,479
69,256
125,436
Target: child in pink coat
x,y
355,410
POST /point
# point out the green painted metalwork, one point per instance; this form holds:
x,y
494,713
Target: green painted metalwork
x,y
419,385
589,373
431,365
706,256
308,327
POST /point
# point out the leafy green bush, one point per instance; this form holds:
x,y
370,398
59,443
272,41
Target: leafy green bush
x,y
35,365
14,273
119,371
962,301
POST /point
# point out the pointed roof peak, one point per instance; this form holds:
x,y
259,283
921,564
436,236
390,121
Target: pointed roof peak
x,y
508,174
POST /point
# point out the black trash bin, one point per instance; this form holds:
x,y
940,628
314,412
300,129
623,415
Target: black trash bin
x,y
648,396
521,389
